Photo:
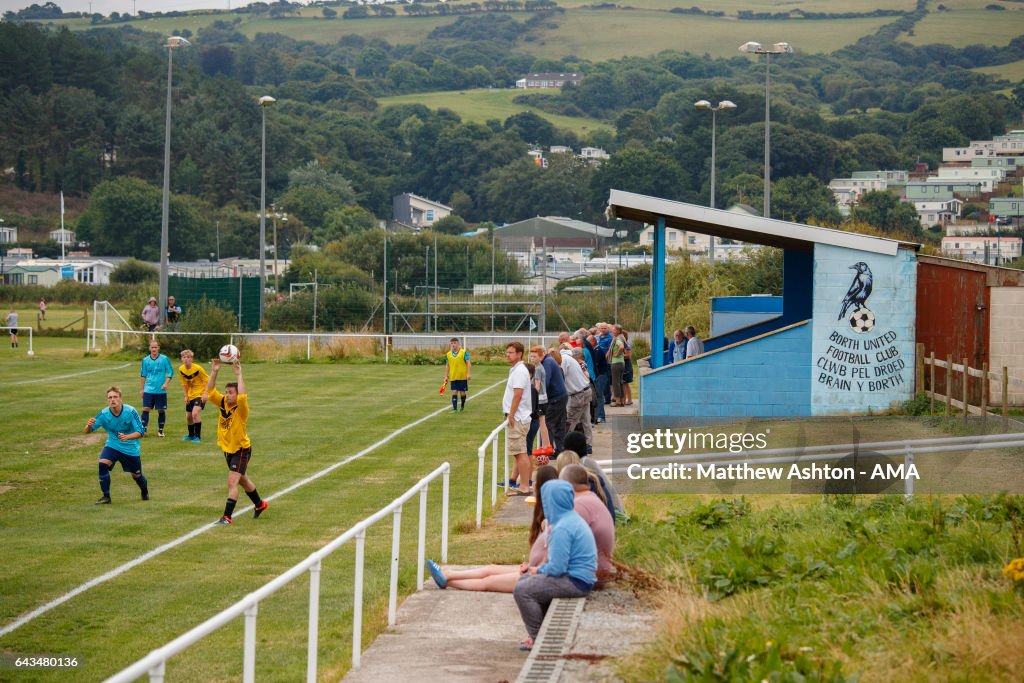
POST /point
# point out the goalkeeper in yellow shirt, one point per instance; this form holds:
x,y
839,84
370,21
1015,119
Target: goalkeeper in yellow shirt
x,y
193,383
233,407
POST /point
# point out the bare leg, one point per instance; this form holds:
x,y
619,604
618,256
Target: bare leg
x,y
524,466
479,572
233,478
498,583
545,439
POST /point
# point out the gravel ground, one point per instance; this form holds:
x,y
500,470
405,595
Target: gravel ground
x,y
614,623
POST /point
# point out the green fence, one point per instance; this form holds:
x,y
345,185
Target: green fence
x,y
237,294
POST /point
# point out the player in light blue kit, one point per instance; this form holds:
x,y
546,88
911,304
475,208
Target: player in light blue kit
x,y
156,373
124,429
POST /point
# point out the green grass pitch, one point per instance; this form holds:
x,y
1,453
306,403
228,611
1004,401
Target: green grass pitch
x,y
304,417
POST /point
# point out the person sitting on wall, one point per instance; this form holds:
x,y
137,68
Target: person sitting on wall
x,y
502,578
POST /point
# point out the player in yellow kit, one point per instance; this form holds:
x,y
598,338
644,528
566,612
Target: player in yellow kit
x,y
457,370
193,383
233,408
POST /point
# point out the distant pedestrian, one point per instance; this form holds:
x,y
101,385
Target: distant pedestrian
x,y
42,309
151,315
12,322
156,373
173,311
694,346
124,429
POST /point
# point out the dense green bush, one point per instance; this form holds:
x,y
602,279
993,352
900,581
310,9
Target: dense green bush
x,y
134,271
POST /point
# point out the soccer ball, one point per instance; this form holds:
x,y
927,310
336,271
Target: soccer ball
x,y
862,320
228,354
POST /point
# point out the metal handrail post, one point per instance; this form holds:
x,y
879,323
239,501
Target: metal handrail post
x,y
314,622
396,546
249,649
421,540
908,482
357,603
445,483
479,485
494,471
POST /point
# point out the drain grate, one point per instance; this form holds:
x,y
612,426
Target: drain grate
x,y
544,665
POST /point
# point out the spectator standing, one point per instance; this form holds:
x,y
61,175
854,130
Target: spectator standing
x,y
694,346
42,309
578,386
173,311
516,406
677,347
627,373
604,377
558,399
617,362
151,315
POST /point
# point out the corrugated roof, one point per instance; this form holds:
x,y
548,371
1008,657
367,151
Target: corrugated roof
x,y
743,228
554,226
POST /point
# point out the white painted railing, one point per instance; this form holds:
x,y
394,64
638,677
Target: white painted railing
x,y
155,662
30,352
385,343
908,449
492,441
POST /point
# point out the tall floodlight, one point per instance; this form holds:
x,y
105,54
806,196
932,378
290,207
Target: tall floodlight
x,y
172,42
264,102
704,104
777,49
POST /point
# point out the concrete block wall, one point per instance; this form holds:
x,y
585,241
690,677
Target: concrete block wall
x,y
1006,340
766,377
855,372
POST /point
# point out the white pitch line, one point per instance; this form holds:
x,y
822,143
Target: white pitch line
x,y
73,374
117,571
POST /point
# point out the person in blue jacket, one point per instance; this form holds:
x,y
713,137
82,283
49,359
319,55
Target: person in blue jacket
x,y
124,429
571,567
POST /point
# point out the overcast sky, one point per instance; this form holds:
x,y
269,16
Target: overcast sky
x,y
125,6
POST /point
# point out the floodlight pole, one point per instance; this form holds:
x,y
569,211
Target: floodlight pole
x,y
172,42
264,102
777,49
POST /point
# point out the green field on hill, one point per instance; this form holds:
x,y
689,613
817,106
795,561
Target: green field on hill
x,y
1014,71
492,103
304,418
643,28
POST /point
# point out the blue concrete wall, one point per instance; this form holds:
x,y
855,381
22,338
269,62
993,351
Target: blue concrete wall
x,y
763,378
853,372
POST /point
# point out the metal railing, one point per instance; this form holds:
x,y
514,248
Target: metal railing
x,y
155,662
908,449
481,453
384,343
30,352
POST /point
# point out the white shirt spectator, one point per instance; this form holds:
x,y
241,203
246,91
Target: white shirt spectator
x,y
575,380
694,347
518,378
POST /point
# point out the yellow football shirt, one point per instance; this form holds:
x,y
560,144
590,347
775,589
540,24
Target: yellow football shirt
x,y
231,435
193,381
457,364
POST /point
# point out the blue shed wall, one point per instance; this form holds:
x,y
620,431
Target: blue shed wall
x,y
766,377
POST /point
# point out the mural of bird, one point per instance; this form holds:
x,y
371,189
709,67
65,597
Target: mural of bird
x,y
860,289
